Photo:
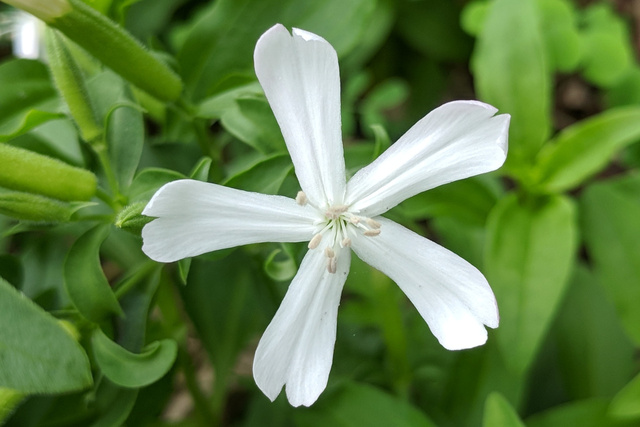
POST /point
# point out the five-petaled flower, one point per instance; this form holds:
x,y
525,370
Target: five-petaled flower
x,y
300,77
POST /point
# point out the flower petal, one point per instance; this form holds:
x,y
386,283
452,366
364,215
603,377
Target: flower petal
x,y
195,217
297,347
451,295
455,141
300,77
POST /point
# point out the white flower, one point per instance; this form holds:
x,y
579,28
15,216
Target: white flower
x,y
300,77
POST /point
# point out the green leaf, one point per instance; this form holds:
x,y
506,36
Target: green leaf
x,y
130,369
356,404
252,122
215,106
595,356
499,412
24,86
125,136
224,35
432,28
201,170
626,404
560,32
9,400
280,265
264,176
608,50
37,354
583,413
612,235
23,124
585,148
149,180
468,200
529,256
511,73
84,279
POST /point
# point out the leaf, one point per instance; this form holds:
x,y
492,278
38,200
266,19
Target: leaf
x,y
513,76
84,279
24,85
253,122
129,369
220,102
201,170
595,356
280,265
149,180
608,50
529,256
354,405
264,176
23,124
626,404
612,235
583,149
499,412
37,354
125,137
9,400
224,36
432,27
583,413
560,32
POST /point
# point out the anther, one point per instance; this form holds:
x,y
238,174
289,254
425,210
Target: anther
x,y
329,252
371,233
301,198
334,212
315,241
373,223
346,242
332,266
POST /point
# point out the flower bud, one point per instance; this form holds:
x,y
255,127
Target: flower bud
x,y
33,207
131,219
27,171
70,82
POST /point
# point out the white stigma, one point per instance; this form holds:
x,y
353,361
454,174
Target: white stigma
x,y
336,227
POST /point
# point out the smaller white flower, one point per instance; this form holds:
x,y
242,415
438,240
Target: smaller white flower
x,y
300,77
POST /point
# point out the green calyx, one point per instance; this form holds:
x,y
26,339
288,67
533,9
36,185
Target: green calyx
x,y
27,171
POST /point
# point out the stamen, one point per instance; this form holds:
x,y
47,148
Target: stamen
x,y
371,233
373,223
332,265
329,252
346,242
334,212
301,198
315,241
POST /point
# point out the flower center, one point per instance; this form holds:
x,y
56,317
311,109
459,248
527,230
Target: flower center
x,y
336,226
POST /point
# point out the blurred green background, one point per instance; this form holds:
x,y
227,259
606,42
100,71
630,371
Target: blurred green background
x,y
116,339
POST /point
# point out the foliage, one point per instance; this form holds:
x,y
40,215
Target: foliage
x,y
94,333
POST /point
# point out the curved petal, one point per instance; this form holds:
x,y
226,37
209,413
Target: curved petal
x,y
451,295
300,77
297,347
455,141
195,217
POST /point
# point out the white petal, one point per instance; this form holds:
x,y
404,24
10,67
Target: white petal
x,y
300,77
297,347
455,141
451,295
195,217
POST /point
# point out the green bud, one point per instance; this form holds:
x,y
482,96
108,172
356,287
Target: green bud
x,y
131,219
33,207
70,82
24,170
107,41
